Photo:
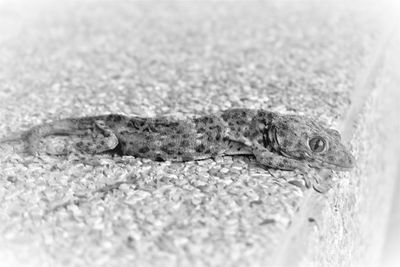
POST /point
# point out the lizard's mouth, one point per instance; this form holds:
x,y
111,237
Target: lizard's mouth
x,y
332,166
318,163
345,165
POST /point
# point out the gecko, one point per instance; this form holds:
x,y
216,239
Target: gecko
x,y
287,142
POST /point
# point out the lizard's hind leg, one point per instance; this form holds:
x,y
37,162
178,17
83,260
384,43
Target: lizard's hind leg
x,y
33,136
103,140
77,126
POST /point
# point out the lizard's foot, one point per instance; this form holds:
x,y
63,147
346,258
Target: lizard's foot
x,y
103,140
312,179
307,175
56,151
322,181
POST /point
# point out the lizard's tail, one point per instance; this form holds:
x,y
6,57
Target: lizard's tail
x,y
15,138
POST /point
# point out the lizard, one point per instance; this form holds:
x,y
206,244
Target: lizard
x,y
287,142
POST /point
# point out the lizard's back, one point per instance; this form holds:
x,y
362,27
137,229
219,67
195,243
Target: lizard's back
x,y
163,139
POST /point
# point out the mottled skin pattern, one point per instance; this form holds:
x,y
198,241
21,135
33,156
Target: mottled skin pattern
x,y
278,141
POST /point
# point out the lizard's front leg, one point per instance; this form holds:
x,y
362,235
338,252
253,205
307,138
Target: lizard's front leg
x,y
270,159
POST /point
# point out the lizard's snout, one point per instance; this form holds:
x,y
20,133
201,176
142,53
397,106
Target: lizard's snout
x,y
349,162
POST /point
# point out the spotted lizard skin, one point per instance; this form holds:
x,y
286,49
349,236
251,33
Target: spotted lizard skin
x,y
285,142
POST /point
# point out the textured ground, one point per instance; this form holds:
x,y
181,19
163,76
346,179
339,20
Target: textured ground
x,y
179,59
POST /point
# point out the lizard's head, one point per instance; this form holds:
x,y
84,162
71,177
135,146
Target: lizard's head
x,y
302,139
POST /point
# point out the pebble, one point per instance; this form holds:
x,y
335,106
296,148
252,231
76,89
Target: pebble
x,y
224,170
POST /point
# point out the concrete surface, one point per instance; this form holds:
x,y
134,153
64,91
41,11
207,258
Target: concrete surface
x,y
183,58
390,256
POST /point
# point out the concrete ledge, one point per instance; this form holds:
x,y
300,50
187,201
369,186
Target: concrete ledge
x,y
348,225
84,58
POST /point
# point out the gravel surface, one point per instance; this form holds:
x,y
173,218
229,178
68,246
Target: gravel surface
x,y
178,58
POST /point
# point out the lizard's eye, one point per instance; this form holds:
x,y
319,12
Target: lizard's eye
x,y
317,144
